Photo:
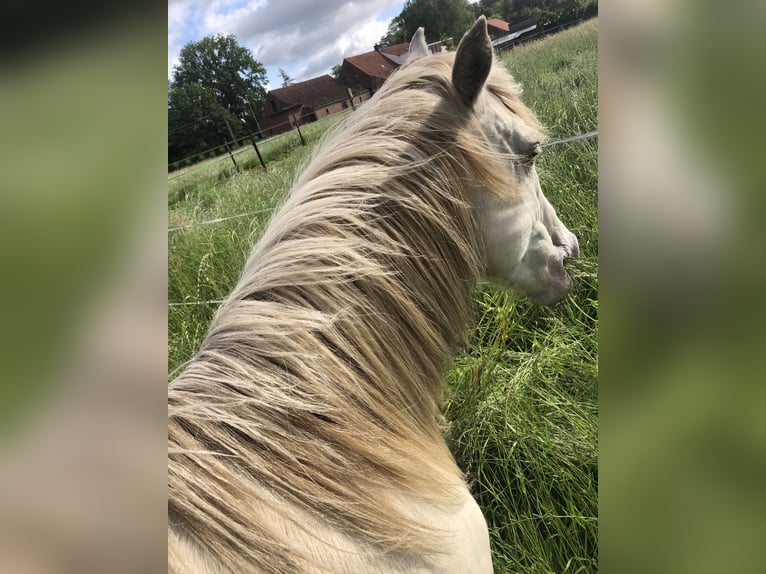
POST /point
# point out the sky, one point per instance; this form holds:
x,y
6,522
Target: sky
x,y
306,38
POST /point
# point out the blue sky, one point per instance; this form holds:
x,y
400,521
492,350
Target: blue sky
x,y
304,37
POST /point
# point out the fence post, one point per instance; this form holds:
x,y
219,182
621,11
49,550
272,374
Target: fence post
x,y
231,155
351,98
231,132
300,135
257,151
233,140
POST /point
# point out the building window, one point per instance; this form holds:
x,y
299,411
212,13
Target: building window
x,y
274,107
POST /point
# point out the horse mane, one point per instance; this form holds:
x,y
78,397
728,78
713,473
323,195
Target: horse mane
x,y
316,392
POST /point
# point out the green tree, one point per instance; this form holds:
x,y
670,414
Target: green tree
x,y
214,78
552,12
395,33
286,80
336,71
505,10
195,121
490,8
441,19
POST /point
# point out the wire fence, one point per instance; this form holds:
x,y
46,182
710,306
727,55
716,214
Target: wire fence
x,y
567,140
219,219
267,135
571,139
185,303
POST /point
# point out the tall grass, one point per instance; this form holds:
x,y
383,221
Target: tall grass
x,y
522,400
524,396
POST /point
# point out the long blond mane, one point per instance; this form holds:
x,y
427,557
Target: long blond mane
x,y
316,392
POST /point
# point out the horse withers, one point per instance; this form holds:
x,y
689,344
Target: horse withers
x,y
305,435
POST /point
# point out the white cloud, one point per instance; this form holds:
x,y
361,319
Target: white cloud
x,y
226,14
304,37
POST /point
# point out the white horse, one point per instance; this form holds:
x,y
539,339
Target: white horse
x,y
305,435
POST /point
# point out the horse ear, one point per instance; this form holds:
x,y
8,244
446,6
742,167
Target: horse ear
x,y
418,46
473,61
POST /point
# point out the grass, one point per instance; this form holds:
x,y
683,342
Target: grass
x,y
523,391
188,181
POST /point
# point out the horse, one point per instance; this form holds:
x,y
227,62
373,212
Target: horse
x,y
305,436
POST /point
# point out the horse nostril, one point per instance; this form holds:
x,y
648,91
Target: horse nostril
x,y
573,250
571,247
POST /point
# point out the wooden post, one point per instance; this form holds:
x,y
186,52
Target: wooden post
x,y
300,135
257,151
257,123
351,98
231,155
233,141
231,133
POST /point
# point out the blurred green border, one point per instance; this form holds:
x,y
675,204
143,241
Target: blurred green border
x,y
82,163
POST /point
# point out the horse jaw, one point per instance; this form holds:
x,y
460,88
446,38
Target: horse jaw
x,y
525,245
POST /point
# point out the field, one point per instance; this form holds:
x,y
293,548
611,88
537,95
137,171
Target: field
x,y
523,393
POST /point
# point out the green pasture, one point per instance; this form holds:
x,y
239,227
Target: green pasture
x,y
523,399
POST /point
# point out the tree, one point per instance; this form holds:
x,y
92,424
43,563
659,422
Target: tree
x,y
490,8
286,80
195,121
336,70
505,10
441,19
395,33
552,12
214,78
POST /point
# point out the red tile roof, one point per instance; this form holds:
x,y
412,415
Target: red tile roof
x,y
501,24
396,49
373,64
313,93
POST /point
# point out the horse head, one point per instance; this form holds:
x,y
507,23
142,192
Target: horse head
x,y
524,241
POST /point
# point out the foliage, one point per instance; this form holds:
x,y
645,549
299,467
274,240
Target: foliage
x,y
441,19
552,12
195,121
336,70
523,399
286,79
451,18
215,81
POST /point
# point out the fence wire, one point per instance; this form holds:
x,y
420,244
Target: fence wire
x,y
571,139
576,138
264,135
219,219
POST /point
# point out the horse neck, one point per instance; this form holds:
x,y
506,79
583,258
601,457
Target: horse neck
x,y
386,275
